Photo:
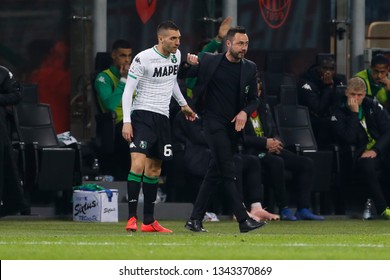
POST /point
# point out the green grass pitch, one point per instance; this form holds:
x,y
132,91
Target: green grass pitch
x,y
280,240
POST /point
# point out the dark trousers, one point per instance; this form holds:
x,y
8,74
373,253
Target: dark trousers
x,y
118,163
221,139
11,192
369,169
249,178
302,169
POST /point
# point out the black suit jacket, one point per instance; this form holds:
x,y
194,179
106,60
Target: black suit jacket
x,y
9,95
204,72
314,94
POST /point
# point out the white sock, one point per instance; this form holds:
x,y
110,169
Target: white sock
x,y
256,205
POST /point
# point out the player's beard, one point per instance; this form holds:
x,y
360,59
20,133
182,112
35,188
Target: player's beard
x,y
237,55
173,49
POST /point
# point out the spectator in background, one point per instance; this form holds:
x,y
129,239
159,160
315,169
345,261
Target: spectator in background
x,y
261,139
109,85
54,81
363,123
317,89
376,79
11,193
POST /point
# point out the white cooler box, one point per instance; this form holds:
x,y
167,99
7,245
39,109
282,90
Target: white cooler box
x,y
95,206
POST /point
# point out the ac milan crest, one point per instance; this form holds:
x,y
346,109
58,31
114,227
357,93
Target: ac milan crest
x,y
145,9
275,12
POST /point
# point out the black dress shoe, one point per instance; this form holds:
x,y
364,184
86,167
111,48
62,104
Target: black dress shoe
x,y
250,224
195,225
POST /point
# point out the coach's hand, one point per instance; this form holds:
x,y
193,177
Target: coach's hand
x,y
127,132
192,59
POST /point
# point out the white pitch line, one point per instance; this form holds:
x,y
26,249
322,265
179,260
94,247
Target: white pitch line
x,y
279,245
63,243
49,243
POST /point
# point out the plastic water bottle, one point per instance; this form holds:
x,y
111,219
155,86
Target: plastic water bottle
x,y
107,178
98,178
367,213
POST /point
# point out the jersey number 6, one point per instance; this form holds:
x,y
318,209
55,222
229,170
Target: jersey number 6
x,y
168,150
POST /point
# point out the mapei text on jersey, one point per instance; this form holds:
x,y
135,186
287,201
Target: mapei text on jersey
x,y
165,71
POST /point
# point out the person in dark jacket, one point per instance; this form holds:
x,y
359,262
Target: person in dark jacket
x,y
11,193
318,90
365,124
226,87
261,139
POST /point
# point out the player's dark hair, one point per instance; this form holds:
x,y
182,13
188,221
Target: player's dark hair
x,y
168,24
121,44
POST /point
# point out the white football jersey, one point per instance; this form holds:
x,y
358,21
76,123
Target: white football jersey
x,y
153,76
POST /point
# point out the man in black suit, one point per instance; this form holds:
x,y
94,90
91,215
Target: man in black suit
x,y
225,94
11,193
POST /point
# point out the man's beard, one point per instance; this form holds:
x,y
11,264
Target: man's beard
x,y
237,55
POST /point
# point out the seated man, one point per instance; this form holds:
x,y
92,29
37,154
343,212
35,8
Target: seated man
x,y
109,85
197,157
317,90
363,123
261,139
249,183
376,80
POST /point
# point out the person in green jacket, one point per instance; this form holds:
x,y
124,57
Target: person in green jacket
x,y
377,80
210,46
109,85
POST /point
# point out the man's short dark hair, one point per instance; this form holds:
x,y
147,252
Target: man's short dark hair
x,y
168,24
327,62
121,44
379,59
232,31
